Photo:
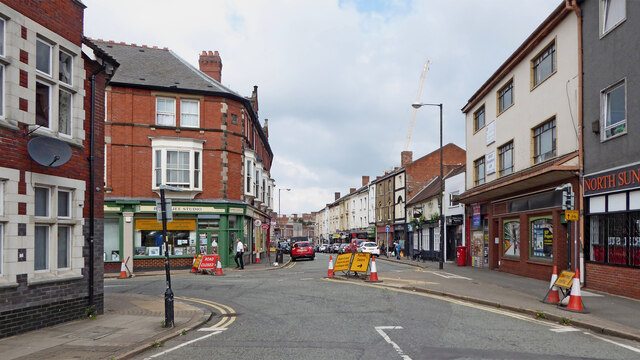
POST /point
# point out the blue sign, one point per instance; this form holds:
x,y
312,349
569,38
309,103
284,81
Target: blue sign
x,y
386,228
477,217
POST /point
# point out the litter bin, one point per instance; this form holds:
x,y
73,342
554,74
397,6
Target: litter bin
x,y
462,255
279,256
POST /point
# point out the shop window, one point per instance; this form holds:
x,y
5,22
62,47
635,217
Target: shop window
x,y
541,238
64,247
634,224
617,236
149,243
112,240
511,237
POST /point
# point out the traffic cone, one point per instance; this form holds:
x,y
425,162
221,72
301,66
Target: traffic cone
x,y
374,272
553,297
219,267
330,272
194,269
575,299
123,271
257,257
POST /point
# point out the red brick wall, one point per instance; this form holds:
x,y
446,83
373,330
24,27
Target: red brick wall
x,y
64,17
158,263
422,170
613,279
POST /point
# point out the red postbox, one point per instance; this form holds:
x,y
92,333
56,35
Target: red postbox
x,y
462,255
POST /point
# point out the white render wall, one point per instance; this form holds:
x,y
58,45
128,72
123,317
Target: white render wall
x,y
555,96
361,210
456,185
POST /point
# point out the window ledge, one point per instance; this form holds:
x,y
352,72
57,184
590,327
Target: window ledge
x,y
49,277
185,194
6,284
613,136
4,60
544,262
10,124
505,109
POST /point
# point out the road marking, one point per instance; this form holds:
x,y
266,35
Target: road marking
x,y
303,279
183,344
226,312
447,275
615,343
290,265
410,281
380,330
564,330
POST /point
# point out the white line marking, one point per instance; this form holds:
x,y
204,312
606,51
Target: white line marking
x,y
306,279
447,275
380,331
212,329
183,344
564,330
615,343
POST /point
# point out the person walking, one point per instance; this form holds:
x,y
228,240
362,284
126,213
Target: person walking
x,y
398,248
239,255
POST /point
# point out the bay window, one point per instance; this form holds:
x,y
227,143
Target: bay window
x,y
177,163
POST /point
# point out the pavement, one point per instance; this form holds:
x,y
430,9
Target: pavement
x,y
132,323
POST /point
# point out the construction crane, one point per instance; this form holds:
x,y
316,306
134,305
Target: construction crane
x,y
413,117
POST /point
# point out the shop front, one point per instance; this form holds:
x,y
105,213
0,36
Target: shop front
x,y
478,235
612,231
453,235
133,234
384,237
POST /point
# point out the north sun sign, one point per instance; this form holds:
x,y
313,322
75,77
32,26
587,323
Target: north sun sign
x,y
614,180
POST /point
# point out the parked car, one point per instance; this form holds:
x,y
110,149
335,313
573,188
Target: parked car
x,y
342,248
284,246
302,249
335,247
323,248
369,247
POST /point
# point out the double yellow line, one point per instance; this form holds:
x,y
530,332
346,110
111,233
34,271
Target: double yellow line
x,y
289,265
227,314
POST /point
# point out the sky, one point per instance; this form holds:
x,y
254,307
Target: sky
x,y
336,78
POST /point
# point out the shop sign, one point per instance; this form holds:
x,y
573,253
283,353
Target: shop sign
x,y
257,222
177,224
112,208
265,226
491,162
335,236
454,220
183,209
476,215
614,180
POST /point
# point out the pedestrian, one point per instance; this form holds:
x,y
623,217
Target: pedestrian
x,y
398,247
239,255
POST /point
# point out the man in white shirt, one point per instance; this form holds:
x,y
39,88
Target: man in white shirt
x,y
239,255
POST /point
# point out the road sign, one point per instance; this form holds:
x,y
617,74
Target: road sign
x,y
565,280
265,226
342,262
168,205
208,262
360,262
387,228
572,215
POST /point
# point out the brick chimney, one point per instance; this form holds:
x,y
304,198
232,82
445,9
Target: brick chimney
x,y
352,190
337,195
406,157
266,128
365,180
211,64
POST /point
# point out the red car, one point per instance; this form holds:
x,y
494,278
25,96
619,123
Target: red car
x,y
302,249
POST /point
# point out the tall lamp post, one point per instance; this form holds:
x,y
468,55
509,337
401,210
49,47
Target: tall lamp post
x,y
441,217
168,294
279,214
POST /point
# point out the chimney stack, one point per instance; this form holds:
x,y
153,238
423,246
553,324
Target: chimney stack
x,y
365,180
352,190
337,195
211,64
406,157
266,128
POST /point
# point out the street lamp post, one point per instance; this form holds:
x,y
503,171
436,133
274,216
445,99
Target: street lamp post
x,y
168,294
441,217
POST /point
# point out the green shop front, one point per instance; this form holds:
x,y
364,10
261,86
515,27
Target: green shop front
x,y
133,233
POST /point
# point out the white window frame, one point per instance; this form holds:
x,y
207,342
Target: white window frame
x,y
70,120
1,200
158,112
604,104
162,146
70,83
3,37
47,244
48,204
69,202
2,87
68,245
50,73
604,7
49,119
182,113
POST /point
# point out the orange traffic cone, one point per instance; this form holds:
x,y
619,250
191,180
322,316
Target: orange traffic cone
x,y
257,257
123,271
374,272
219,267
330,272
575,298
194,269
553,297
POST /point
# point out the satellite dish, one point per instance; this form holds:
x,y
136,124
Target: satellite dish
x,y
49,151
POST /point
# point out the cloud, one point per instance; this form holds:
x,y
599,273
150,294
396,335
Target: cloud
x,y
336,78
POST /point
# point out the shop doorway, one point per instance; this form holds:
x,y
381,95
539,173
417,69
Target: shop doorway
x,y
208,242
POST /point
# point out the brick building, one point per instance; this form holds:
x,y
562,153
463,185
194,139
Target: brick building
x,y
169,123
47,138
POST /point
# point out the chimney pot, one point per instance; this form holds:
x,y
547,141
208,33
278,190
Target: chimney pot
x,y
211,64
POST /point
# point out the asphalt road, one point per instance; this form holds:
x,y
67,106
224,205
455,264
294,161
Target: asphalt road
x,y
295,313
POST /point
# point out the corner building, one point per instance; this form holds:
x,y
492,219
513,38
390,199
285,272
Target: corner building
x,y
522,141
169,123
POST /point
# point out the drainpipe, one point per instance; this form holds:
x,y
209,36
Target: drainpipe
x,y
92,188
572,4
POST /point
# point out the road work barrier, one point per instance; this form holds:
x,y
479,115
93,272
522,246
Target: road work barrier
x,y
552,296
330,271
374,271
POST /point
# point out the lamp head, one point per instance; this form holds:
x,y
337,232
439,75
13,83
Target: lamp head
x,y
416,105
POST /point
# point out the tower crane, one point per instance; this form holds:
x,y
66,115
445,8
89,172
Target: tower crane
x,y
413,117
